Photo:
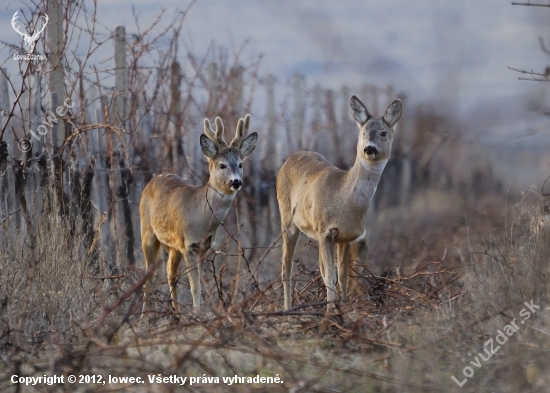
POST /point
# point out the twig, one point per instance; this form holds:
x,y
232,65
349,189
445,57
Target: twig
x,y
542,46
531,4
296,313
106,277
293,310
8,216
17,98
542,190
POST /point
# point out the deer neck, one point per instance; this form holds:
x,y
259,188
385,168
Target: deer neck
x,y
362,180
218,202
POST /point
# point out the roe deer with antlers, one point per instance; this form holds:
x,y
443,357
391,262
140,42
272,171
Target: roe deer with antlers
x,y
330,204
185,218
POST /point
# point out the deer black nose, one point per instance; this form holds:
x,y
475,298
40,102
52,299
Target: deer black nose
x,y
236,184
371,150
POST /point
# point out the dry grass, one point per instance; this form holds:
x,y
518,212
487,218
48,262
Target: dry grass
x,y
43,280
402,333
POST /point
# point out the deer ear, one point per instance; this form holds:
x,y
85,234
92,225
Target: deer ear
x,y
248,145
208,147
358,110
393,113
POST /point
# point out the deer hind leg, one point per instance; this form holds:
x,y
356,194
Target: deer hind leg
x,y
327,266
194,265
359,252
343,265
150,245
290,238
174,260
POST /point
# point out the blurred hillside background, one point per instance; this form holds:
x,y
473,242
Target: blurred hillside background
x,y
469,123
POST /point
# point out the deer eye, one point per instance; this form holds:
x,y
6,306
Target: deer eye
x,y
383,134
222,166
241,165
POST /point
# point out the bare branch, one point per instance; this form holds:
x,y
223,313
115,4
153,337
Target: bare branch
x,y
8,216
532,5
542,46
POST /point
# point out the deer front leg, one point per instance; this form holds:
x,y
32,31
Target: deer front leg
x,y
290,238
328,266
150,245
174,260
194,265
358,252
343,264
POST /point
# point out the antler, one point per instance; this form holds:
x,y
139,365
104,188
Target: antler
x,y
215,136
242,131
15,17
37,34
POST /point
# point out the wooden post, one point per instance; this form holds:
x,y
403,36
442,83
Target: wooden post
x,y
143,160
176,120
406,145
273,152
331,129
121,224
82,163
33,189
213,89
256,209
295,139
192,135
317,141
7,146
375,93
146,132
390,91
35,94
4,98
121,78
237,87
271,147
101,193
348,130
56,46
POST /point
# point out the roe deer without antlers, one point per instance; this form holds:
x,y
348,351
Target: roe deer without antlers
x,y
185,218
330,204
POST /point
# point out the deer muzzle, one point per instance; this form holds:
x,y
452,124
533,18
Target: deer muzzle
x,y
371,151
235,184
